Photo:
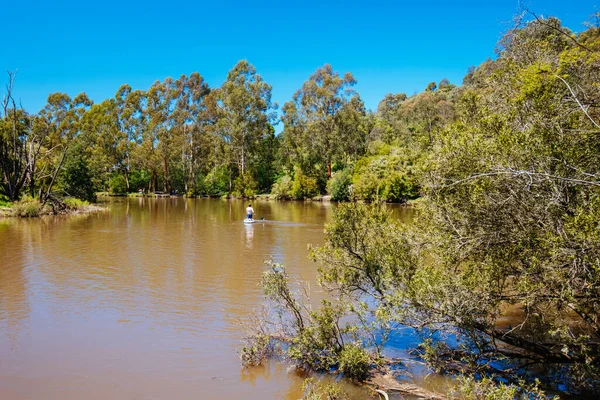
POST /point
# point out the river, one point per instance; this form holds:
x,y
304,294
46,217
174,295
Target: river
x,y
142,301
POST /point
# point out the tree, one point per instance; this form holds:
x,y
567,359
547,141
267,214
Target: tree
x,y
18,146
325,117
245,113
59,122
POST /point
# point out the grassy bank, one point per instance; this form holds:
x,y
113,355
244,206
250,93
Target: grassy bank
x,y
28,207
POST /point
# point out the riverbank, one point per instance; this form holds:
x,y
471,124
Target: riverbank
x,y
31,208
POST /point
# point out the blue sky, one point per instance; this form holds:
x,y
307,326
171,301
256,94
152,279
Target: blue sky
x,y
389,46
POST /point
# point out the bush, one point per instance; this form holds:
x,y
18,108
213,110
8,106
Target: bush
x,y
354,362
398,188
4,201
487,389
215,183
257,349
73,203
282,189
245,186
298,188
138,179
303,186
339,185
27,208
319,391
367,186
76,178
117,184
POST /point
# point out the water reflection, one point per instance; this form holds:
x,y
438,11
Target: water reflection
x,y
141,301
249,234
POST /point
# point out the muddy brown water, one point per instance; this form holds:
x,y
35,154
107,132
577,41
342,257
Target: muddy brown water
x,y
141,302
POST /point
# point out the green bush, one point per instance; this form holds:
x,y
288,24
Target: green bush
x,y
303,186
367,186
215,183
339,185
138,179
322,391
257,349
398,188
282,189
117,184
488,389
4,201
245,186
27,208
75,178
73,203
354,362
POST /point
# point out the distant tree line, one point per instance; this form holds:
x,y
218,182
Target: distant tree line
x,y
182,136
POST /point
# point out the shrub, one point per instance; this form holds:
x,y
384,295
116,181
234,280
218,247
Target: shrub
x,y
76,178
282,189
488,389
319,391
339,185
4,201
354,362
117,184
303,186
367,186
73,203
257,349
245,186
138,179
398,188
215,183
27,208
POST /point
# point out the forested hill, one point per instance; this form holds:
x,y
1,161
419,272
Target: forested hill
x,y
181,135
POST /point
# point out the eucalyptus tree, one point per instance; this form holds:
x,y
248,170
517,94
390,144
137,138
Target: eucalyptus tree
x,y
190,120
59,123
245,114
318,117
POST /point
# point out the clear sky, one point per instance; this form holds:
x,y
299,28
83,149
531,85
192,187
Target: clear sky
x,y
389,46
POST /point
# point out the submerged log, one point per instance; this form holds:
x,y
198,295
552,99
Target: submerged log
x,y
386,381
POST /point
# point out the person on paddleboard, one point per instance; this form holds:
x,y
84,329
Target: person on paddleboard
x,y
249,211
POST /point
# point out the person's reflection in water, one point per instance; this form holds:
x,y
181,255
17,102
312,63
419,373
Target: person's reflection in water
x,y
249,234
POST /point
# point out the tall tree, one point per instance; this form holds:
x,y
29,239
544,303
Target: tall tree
x,y
321,109
19,147
245,114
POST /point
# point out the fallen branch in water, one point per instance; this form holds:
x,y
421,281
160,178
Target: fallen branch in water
x,y
385,380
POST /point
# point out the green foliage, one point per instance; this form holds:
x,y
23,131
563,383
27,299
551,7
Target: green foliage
x,y
257,349
4,201
355,362
73,203
282,189
322,391
215,183
469,388
299,187
388,175
27,208
339,185
138,179
303,186
319,338
117,184
245,186
75,178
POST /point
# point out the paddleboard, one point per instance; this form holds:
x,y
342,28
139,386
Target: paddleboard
x,y
249,221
